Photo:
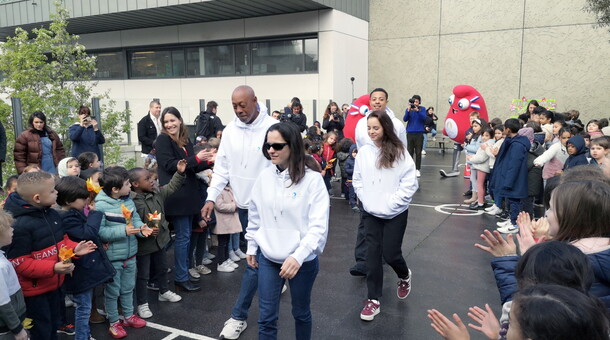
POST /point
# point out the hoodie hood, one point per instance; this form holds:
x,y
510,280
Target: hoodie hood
x,y
579,143
528,133
62,167
262,112
351,149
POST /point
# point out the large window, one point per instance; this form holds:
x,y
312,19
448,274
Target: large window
x,y
228,59
110,65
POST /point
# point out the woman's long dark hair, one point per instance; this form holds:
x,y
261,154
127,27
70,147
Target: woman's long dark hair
x,y
40,115
296,161
392,148
183,136
483,124
327,112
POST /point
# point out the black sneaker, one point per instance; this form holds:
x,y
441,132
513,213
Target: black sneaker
x,y
67,329
152,286
503,215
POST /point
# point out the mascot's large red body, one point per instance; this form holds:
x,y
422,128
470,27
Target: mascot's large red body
x,y
357,111
463,102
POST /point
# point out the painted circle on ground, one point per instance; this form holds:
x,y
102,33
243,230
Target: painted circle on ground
x,y
457,209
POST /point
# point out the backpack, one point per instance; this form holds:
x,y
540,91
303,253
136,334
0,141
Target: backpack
x,y
204,125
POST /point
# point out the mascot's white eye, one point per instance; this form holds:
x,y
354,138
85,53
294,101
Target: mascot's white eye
x,y
363,109
463,104
451,99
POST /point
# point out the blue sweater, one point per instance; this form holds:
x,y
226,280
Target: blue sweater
x,y
510,170
86,139
416,120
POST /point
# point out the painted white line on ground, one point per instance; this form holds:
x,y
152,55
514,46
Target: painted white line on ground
x,y
177,332
171,336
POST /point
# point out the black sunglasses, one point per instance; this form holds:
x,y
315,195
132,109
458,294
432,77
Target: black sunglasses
x,y
275,146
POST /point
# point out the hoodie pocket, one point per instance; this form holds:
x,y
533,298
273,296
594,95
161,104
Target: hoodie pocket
x,y
277,243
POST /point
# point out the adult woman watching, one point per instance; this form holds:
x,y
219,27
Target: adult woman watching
x,y
86,135
287,229
38,145
184,205
385,181
333,120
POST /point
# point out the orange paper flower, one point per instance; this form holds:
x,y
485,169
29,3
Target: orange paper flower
x,y
92,187
126,213
154,216
66,254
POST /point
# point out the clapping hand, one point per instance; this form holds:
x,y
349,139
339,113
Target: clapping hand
x,y
487,322
446,328
84,248
181,166
496,245
145,230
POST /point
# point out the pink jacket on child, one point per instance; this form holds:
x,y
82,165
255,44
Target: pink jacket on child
x,y
225,208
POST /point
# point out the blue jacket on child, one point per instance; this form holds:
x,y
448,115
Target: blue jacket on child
x,y
350,162
112,228
92,269
510,170
580,158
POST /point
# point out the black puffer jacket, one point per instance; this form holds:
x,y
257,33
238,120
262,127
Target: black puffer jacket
x,y
534,173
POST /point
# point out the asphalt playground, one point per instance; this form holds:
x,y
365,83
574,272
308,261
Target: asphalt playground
x,y
449,274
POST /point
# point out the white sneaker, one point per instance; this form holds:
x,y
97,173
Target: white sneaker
x,y
232,263
506,223
210,256
233,328
423,152
203,270
493,210
508,230
169,296
240,253
418,173
285,288
206,261
234,256
193,272
144,312
225,267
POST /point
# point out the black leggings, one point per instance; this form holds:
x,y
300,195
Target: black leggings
x,y
222,252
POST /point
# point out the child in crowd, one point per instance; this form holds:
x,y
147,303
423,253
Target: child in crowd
x,y
557,126
342,156
38,235
227,225
534,173
151,250
12,303
68,166
478,124
554,158
315,150
480,164
573,118
576,151
31,168
349,170
328,154
600,149
154,176
88,160
314,134
496,208
546,123
594,127
510,178
10,187
119,229
96,269
199,255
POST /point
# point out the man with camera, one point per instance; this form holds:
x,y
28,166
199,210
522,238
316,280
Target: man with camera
x,y
415,116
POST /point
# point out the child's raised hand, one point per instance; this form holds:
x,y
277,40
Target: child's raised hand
x,y
84,248
145,230
446,328
496,245
524,220
526,239
540,228
92,205
63,268
181,166
484,146
130,230
487,322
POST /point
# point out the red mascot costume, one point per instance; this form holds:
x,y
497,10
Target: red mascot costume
x,y
357,111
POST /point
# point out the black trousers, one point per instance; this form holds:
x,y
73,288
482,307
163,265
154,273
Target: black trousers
x,y
158,260
384,238
415,143
222,251
360,249
44,312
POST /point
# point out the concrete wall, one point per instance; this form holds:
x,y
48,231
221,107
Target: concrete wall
x,y
505,49
343,43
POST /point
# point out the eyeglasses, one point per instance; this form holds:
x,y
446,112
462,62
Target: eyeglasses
x,y
275,146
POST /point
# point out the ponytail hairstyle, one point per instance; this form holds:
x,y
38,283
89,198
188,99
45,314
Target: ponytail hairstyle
x,y
392,149
296,160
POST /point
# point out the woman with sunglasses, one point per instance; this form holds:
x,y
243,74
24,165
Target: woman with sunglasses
x,y
385,181
287,229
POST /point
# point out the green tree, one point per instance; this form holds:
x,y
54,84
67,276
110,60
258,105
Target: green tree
x,y
50,71
601,9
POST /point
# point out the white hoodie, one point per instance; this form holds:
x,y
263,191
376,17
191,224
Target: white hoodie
x,y
384,193
362,136
288,220
240,158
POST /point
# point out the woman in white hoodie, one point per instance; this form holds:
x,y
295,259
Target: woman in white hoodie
x,y
384,180
287,229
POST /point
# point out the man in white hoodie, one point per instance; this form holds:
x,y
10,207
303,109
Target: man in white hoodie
x,y
239,161
378,101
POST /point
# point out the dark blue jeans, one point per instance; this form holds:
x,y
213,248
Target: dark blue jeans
x,y
269,290
183,225
82,313
249,282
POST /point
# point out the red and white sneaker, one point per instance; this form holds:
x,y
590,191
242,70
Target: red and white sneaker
x,y
370,310
404,287
134,321
117,331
